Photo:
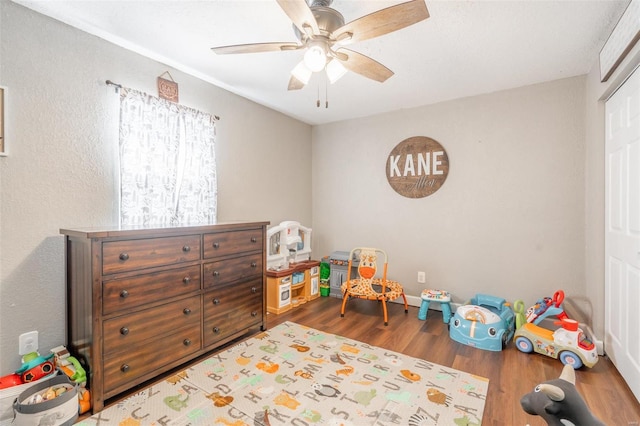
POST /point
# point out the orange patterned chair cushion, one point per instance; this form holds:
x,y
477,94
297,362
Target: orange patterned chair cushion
x,y
359,287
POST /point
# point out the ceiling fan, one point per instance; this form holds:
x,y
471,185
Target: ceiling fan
x,y
322,33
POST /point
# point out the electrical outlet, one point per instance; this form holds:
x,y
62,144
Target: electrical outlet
x,y
421,277
28,342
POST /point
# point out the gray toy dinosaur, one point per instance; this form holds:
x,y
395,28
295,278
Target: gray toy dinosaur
x,y
559,403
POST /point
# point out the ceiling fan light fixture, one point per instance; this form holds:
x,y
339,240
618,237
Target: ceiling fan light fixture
x,y
315,58
335,70
321,33
301,72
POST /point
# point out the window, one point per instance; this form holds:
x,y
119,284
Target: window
x,y
167,162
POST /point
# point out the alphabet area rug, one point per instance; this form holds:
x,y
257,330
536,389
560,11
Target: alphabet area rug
x,y
297,375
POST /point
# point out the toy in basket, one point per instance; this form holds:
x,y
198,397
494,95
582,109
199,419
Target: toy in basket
x,y
34,377
51,402
486,322
568,343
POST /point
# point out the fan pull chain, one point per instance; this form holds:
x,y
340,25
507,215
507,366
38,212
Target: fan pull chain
x,y
326,93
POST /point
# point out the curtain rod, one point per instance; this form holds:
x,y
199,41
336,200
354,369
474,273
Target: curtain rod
x,y
111,83
119,86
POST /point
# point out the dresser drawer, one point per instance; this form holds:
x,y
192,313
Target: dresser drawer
x,y
131,255
231,309
126,293
121,369
232,270
126,331
234,242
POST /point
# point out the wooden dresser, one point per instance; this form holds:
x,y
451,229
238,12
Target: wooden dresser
x,y
143,301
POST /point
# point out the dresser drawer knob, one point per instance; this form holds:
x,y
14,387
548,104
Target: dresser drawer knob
x,y
254,240
216,330
186,280
186,342
186,249
254,290
124,256
216,245
124,331
186,311
216,301
216,273
254,313
254,264
124,294
124,368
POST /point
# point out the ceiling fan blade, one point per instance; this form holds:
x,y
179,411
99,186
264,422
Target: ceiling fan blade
x,y
363,65
382,22
295,84
255,48
301,15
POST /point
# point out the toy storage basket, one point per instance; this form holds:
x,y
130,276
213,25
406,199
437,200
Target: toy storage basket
x,y
8,397
59,411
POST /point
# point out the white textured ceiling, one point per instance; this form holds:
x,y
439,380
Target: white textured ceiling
x,y
465,48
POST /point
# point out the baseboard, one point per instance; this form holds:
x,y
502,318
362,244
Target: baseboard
x,y
417,301
599,343
411,300
600,347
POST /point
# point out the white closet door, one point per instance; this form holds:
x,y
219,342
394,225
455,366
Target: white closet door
x,y
622,231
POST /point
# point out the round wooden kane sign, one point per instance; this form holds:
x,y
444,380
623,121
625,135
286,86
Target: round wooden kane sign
x,y
417,167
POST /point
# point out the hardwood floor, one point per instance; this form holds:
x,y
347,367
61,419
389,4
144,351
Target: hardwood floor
x,y
511,372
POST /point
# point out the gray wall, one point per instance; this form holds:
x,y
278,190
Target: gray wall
x,y
61,171
521,213
508,221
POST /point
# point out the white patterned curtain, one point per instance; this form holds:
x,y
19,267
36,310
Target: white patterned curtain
x,y
167,162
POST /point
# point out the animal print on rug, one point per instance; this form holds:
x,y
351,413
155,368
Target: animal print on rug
x,y
296,375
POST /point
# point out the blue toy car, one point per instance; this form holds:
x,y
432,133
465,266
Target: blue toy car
x,y
487,322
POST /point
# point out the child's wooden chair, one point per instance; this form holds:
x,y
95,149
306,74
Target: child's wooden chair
x,y
369,286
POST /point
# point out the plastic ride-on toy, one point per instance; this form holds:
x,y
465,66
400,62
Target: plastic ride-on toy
x,y
487,322
568,343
